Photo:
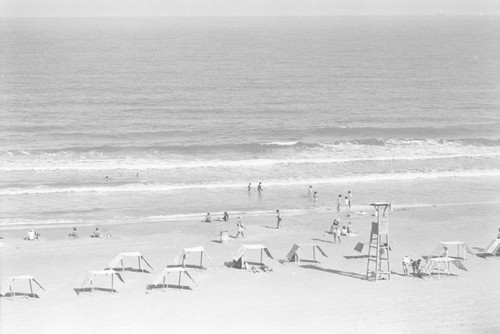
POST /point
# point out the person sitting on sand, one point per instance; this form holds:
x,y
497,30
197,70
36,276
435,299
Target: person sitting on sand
x,y
208,218
74,233
343,231
445,252
96,234
240,228
406,265
349,228
31,235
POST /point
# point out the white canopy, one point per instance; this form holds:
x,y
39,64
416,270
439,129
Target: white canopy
x,y
460,247
120,258
180,259
442,265
88,282
243,249
161,279
8,289
293,254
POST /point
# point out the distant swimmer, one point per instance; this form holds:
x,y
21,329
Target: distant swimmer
x,y
249,187
137,175
259,187
310,192
106,178
278,222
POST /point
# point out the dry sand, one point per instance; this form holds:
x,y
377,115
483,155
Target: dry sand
x,y
331,296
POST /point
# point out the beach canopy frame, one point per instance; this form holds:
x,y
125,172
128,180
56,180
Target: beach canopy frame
x,y
493,248
460,246
239,258
9,290
161,282
181,258
441,265
294,253
89,286
120,258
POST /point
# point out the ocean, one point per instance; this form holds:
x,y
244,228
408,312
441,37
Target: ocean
x,y
110,120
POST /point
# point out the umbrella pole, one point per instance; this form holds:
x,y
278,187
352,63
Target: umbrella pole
x,y
261,251
112,282
31,287
201,259
314,254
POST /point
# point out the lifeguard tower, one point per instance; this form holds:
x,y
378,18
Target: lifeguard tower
x,y
378,266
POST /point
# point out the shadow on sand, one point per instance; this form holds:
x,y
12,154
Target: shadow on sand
x,y
168,286
78,291
337,272
327,241
20,295
134,270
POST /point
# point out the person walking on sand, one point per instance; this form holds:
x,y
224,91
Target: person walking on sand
x,y
278,222
349,195
240,228
315,199
226,216
310,192
347,206
259,187
336,231
339,199
406,265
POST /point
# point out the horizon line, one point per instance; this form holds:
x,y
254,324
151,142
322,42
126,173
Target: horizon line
x,y
251,16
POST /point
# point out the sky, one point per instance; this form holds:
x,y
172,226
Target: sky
x,y
145,8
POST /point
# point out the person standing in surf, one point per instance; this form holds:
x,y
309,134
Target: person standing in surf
x,y
278,222
259,187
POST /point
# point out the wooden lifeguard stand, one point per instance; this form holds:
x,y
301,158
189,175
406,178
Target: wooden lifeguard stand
x,y
378,251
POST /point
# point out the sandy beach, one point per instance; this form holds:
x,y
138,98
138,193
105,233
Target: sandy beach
x,y
324,297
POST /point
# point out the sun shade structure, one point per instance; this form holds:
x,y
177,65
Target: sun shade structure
x,y
120,259
88,284
294,253
493,248
441,265
161,280
181,258
14,285
239,258
460,247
